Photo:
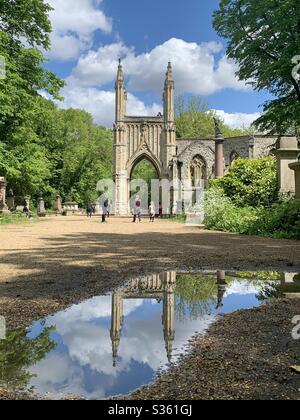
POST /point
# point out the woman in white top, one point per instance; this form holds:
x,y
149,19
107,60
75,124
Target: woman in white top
x,y
152,212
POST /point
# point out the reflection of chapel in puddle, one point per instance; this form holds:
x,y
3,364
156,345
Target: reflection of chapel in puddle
x,y
162,288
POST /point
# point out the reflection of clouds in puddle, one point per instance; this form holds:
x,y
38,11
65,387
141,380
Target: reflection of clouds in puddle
x,y
98,307
89,346
58,376
240,287
82,364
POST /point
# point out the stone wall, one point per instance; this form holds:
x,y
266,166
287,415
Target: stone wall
x,y
238,146
265,146
188,149
249,147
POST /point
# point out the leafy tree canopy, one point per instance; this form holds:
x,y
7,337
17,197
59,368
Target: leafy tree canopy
x,y
263,39
195,120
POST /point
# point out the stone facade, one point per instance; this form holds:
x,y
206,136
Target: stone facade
x,y
287,153
139,138
187,160
296,168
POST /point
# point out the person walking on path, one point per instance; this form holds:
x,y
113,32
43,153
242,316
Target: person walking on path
x,y
137,209
152,212
89,211
108,210
105,204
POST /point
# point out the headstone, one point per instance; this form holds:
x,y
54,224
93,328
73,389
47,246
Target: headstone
x,y
58,204
41,211
287,153
70,207
3,205
27,202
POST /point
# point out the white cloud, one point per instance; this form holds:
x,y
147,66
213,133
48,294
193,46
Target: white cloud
x,y
101,104
238,119
74,24
196,67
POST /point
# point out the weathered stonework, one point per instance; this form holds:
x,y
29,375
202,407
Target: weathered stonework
x,y
296,168
154,139
287,152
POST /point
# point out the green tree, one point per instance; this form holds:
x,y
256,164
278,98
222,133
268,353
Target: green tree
x,y
195,120
263,38
86,157
26,19
145,171
250,182
18,353
23,158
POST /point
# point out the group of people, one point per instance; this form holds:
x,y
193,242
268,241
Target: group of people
x,y
137,210
106,206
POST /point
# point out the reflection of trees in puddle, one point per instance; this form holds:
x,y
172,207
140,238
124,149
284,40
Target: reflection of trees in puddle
x,y
195,295
260,275
289,284
18,353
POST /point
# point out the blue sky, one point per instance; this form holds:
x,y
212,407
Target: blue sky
x,y
90,35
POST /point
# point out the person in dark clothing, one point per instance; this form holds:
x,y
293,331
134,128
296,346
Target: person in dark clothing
x,y
89,211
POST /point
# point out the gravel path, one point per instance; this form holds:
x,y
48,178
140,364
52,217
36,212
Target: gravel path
x,y
56,262
59,261
248,355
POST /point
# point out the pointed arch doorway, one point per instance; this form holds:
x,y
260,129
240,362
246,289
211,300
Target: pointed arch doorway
x,y
144,180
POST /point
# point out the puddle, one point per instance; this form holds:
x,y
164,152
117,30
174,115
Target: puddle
x,y
113,344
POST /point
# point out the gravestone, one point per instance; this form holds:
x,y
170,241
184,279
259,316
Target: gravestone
x,y
27,202
58,204
70,207
3,206
41,211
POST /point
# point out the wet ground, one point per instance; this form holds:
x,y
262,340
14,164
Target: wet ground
x,y
50,265
114,344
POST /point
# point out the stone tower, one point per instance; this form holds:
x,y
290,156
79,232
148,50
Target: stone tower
x,y
169,120
138,138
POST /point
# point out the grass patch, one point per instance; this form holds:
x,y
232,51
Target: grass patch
x,y
15,219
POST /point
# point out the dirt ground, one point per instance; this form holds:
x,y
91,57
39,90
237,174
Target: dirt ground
x,y
248,355
58,261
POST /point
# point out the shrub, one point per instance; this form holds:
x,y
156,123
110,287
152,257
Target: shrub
x,y
250,182
279,220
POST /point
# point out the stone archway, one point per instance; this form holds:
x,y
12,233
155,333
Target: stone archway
x,y
138,138
144,176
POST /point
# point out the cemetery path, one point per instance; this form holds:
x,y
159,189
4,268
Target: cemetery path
x,y
53,263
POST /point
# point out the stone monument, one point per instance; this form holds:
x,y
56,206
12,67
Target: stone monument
x,y
219,153
287,152
41,211
296,168
70,208
58,204
3,206
27,202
